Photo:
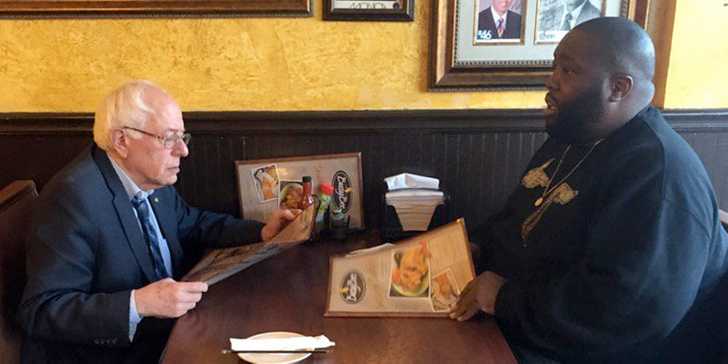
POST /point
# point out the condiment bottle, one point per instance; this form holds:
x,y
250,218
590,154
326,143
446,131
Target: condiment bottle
x,y
307,199
326,190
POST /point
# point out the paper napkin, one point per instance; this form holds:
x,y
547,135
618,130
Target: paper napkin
x,y
286,343
409,180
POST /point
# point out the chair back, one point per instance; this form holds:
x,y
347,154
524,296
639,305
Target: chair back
x,y
16,202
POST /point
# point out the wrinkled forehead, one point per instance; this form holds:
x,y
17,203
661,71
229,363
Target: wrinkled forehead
x,y
168,116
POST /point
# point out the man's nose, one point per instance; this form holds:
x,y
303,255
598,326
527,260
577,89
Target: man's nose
x,y
181,149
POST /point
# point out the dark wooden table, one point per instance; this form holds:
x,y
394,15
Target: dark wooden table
x,y
288,293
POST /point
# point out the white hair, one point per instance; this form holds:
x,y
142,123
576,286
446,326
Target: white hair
x,y
124,106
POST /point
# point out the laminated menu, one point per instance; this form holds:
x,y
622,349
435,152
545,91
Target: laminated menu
x,y
419,276
219,264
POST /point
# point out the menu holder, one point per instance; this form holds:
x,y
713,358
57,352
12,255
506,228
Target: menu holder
x,y
418,277
219,264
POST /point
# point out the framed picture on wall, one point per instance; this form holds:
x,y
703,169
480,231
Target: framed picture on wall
x,y
395,10
267,184
222,8
499,21
508,44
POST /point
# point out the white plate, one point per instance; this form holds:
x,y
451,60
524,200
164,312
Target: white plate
x,y
274,358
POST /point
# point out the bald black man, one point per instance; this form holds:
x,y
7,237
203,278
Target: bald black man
x,y
610,248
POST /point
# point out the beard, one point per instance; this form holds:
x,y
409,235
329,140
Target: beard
x,y
577,118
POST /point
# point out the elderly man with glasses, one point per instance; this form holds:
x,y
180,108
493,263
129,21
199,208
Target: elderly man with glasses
x,y
110,235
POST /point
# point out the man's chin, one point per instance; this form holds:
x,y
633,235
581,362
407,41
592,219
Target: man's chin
x,y
169,180
556,129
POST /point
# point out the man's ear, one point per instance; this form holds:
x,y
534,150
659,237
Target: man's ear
x,y
621,86
119,142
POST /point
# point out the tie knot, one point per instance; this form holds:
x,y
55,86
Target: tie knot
x,y
138,201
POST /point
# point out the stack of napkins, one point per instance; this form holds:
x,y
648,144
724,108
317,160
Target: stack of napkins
x,y
414,198
281,344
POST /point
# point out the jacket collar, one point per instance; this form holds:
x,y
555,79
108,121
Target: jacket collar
x,y
124,209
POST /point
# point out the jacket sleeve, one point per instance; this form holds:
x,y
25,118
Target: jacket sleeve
x,y
57,303
212,229
639,274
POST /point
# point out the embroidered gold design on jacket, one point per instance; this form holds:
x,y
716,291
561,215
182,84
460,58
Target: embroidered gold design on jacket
x,y
537,177
561,195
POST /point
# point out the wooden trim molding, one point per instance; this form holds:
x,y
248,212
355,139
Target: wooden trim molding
x,y
237,122
142,8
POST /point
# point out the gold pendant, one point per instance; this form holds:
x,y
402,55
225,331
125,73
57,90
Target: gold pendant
x,y
538,202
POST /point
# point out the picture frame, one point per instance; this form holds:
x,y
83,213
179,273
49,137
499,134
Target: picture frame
x,y
364,10
343,171
141,8
464,58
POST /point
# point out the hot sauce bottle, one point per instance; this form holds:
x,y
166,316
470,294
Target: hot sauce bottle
x,y
307,199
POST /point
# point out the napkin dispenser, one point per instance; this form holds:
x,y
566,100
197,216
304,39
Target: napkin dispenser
x,y
412,204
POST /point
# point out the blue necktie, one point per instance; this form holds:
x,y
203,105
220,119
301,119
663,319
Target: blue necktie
x,y
567,22
150,236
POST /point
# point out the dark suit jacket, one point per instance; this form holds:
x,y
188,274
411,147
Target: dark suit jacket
x,y
85,254
513,25
588,12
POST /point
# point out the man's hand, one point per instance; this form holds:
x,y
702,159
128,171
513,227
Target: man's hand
x,y
168,298
479,294
276,222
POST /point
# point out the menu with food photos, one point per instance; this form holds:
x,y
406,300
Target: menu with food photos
x,y
419,276
219,264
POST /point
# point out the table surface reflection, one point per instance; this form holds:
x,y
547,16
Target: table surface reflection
x,y
288,293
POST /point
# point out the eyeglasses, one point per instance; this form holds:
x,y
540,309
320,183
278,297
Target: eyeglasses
x,y
169,141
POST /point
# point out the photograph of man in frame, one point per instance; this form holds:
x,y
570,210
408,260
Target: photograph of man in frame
x,y
499,21
556,17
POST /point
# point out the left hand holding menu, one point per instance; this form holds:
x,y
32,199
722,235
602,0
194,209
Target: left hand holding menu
x,y
479,294
276,222
168,298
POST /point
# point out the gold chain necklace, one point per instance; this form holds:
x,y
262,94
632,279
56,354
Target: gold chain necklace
x,y
548,189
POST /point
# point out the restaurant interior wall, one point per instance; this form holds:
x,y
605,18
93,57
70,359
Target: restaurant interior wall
x,y
292,64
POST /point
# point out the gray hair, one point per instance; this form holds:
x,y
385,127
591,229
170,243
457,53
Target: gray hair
x,y
125,106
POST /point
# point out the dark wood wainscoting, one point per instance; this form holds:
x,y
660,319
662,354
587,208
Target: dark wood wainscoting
x,y
477,154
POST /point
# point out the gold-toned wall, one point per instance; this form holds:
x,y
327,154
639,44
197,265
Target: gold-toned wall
x,y
278,64
697,73
231,64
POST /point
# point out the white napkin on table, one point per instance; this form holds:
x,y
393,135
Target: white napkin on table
x,y
287,343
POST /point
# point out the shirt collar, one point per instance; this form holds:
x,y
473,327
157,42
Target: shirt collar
x,y
576,12
131,188
497,17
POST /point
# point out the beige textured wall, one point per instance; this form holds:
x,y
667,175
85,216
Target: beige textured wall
x,y
278,64
698,70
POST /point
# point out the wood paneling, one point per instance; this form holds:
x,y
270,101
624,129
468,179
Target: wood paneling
x,y
477,154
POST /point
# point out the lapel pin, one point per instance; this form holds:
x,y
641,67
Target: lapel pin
x,y
156,199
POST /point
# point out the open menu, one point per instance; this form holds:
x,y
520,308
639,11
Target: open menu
x,y
219,264
420,276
